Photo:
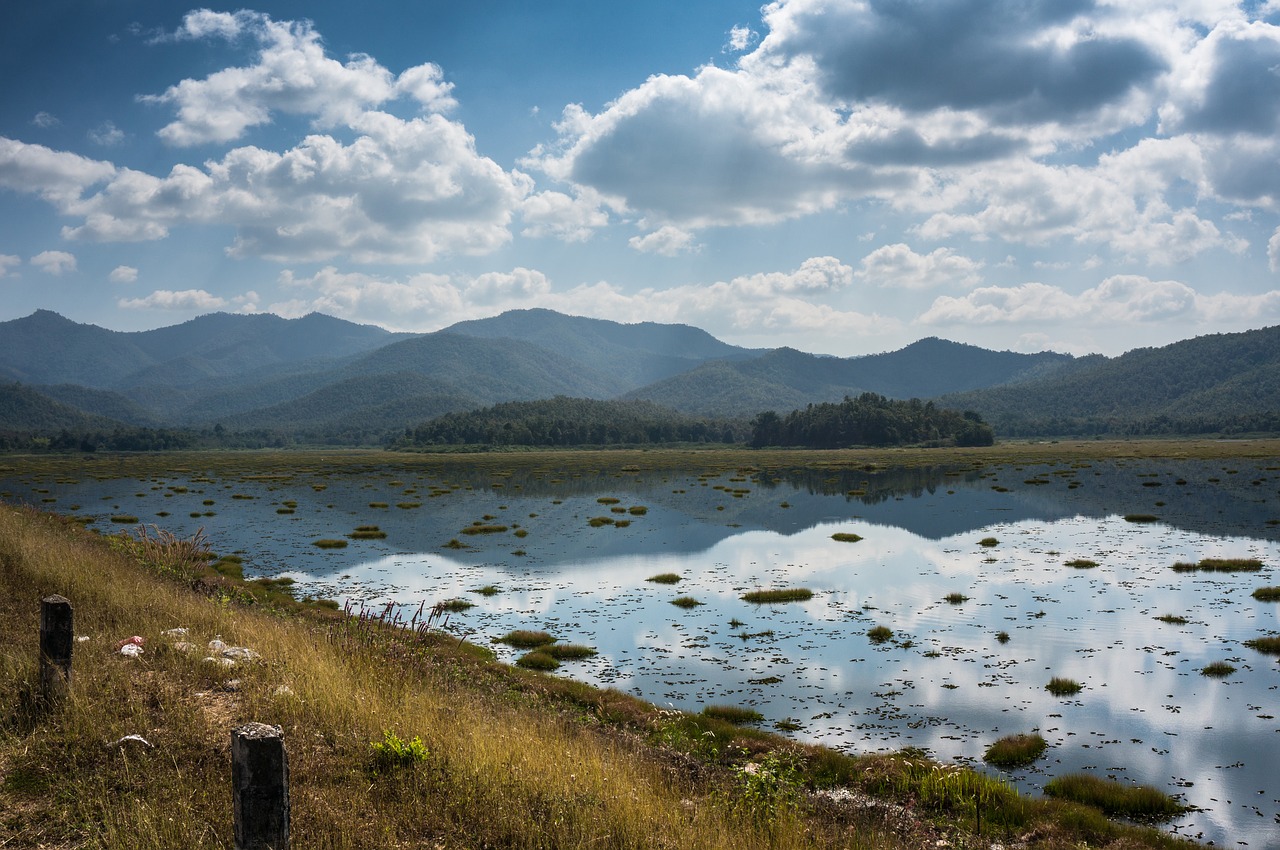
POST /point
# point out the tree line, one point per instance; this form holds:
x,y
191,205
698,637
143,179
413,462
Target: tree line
x,y
870,420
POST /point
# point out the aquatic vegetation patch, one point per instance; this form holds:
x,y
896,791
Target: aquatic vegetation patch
x,y
665,578
598,521
844,536
125,519
955,598
1141,518
988,542
1267,594
570,651
737,715
1015,750
454,605
1217,670
1173,619
367,532
526,639
537,660
1269,644
1220,565
1141,802
487,590
479,527
329,543
1063,687
1080,563
685,602
879,634
786,594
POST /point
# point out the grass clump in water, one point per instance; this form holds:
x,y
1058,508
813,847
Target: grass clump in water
x,y
480,527
367,532
1217,670
665,578
955,598
598,521
685,602
1269,645
1080,563
1267,594
125,519
734,714
454,606
1220,565
488,590
1063,687
1015,750
786,594
1139,802
526,639
329,543
1173,619
879,634
569,651
1141,518
846,537
537,660
988,542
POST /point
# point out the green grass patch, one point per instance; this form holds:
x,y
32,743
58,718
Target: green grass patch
x,y
1002,636
1217,670
734,714
479,527
955,598
785,594
569,651
367,532
1173,619
685,602
597,521
608,500
1141,518
1269,645
846,537
1080,563
1267,594
487,590
537,660
526,639
879,634
665,578
454,605
988,542
329,543
1220,565
1137,802
1015,750
637,510
125,519
1062,687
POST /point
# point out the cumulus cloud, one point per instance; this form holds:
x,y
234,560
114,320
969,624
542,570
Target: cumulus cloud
x,y
667,241
106,134
292,75
56,263
123,274
1119,299
740,38
7,262
555,214
1273,251
45,120
900,267
164,299
57,176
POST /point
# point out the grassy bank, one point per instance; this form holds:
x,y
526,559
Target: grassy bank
x,y
402,738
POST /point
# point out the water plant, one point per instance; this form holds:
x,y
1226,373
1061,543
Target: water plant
x,y
685,602
454,605
526,638
1267,594
1140,518
879,634
734,714
479,527
329,543
597,521
1217,670
1063,687
1269,645
665,578
1114,798
1220,565
955,598
1173,619
1080,563
1015,750
786,594
367,532
845,537
569,651
1002,636
988,542
537,660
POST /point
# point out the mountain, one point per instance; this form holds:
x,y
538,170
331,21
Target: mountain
x,y
23,408
634,354
785,379
45,348
1206,380
102,403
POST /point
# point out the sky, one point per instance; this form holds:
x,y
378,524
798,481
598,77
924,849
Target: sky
x,y
838,176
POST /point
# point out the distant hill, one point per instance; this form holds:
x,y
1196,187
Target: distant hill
x,y
1204,383
23,408
633,354
45,348
785,379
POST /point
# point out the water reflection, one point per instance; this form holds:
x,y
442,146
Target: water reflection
x,y
943,683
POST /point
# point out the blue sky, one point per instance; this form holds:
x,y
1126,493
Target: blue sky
x,y
842,177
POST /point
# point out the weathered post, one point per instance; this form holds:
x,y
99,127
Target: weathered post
x,y
56,641
260,787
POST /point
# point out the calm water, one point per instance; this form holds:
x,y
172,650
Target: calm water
x,y
943,683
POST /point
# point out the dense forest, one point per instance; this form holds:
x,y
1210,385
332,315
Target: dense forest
x,y
563,421
871,420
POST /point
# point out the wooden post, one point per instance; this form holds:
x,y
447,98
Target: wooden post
x,y
56,641
260,787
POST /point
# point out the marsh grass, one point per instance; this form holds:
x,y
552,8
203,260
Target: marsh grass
x,y
455,605
367,532
786,594
988,542
1217,670
1269,645
526,638
843,536
1267,594
879,634
538,659
1063,687
1080,563
1015,750
734,714
685,602
1138,802
665,578
480,527
1173,619
329,543
1141,518
955,598
570,651
1220,565
488,590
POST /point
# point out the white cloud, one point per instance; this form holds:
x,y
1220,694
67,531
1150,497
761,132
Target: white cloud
x,y
1117,300
164,299
555,214
900,267
1273,249
740,38
666,240
45,120
292,75
123,274
106,134
56,176
8,261
56,263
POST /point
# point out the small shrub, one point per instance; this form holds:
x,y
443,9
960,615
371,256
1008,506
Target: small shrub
x,y
393,752
1267,594
685,602
1113,798
1217,670
845,536
732,714
787,594
1015,750
879,634
665,578
1061,687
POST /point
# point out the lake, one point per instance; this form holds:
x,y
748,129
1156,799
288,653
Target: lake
x,y
943,682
